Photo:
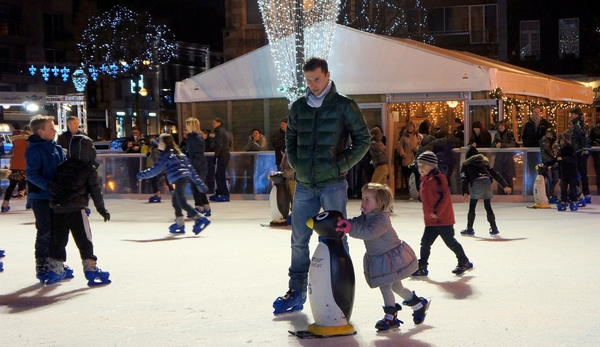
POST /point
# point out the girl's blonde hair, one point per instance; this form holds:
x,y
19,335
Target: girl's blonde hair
x,y
383,196
194,124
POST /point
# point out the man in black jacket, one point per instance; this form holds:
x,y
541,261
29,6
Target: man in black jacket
x,y
535,129
72,129
278,142
221,160
581,142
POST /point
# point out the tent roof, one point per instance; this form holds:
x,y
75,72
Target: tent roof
x,y
362,63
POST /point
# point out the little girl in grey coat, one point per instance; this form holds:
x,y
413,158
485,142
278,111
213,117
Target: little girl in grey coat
x,y
388,259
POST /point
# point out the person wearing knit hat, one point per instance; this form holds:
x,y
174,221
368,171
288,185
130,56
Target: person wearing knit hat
x,y
438,215
428,158
476,177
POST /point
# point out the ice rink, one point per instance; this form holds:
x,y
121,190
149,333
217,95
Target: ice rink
x,y
538,284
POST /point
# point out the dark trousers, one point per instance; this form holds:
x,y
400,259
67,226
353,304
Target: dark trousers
x,y
44,216
447,233
200,198
210,175
487,204
222,163
178,199
156,179
78,224
568,188
406,171
582,160
596,158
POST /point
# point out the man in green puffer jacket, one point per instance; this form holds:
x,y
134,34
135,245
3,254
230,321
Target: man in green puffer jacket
x,y
326,136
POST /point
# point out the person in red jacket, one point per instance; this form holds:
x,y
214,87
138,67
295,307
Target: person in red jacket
x,y
438,215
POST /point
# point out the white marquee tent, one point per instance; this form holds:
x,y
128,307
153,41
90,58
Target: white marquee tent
x,y
362,64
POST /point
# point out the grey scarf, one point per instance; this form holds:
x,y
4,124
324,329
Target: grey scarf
x,y
316,101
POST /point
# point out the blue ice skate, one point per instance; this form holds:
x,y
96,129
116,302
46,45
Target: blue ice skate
x,y
93,274
467,232
5,209
561,206
573,206
154,199
54,277
177,229
97,278
460,269
494,232
390,320
292,301
200,224
1,266
581,203
68,272
588,199
553,199
1,253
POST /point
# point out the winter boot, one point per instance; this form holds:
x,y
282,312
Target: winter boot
x,y
493,227
390,320
292,301
93,274
573,206
200,224
56,271
178,227
420,306
41,270
561,206
461,268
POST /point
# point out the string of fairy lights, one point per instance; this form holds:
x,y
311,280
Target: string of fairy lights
x,y
523,108
297,29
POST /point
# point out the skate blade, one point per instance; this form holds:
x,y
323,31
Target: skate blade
x,y
96,284
305,334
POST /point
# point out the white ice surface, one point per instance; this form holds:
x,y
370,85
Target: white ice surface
x,y
538,284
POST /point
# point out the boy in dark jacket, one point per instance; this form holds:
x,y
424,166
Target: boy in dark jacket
x,y
42,158
476,177
569,174
76,179
438,214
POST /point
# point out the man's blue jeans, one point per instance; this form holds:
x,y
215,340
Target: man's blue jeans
x,y
307,204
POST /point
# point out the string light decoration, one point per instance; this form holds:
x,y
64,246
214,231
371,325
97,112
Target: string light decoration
x,y
399,18
79,80
297,29
121,35
124,43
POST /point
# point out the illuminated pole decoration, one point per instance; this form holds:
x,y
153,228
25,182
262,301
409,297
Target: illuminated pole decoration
x,y
298,29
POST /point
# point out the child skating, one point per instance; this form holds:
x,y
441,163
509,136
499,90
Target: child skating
x,y
438,214
76,180
476,177
179,173
388,259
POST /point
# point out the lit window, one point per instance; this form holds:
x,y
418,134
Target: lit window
x,y
568,38
530,40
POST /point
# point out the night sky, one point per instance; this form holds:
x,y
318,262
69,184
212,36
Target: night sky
x,y
198,21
